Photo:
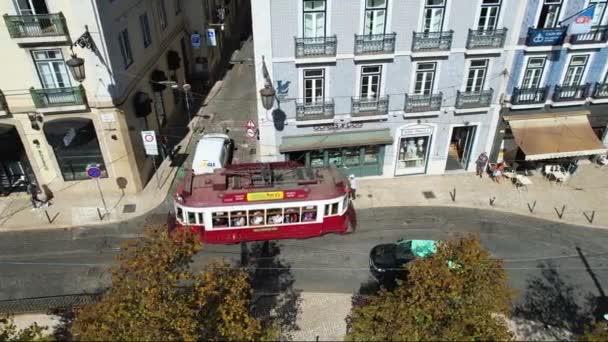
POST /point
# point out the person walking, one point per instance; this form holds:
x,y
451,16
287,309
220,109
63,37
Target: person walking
x,y
481,163
353,186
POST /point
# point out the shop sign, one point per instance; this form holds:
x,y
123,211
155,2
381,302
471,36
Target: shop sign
x,y
416,131
338,126
211,40
546,36
265,196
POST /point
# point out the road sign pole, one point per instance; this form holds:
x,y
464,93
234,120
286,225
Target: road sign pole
x,y
156,171
103,200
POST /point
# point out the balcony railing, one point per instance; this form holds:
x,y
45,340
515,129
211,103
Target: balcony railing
x,y
374,43
432,41
363,106
422,103
36,25
523,96
58,97
570,93
321,110
480,99
598,34
486,39
600,91
3,104
316,47
546,36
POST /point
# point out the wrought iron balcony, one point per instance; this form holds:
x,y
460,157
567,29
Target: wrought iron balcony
x,y
432,41
321,110
363,106
465,100
600,91
316,47
422,103
570,93
36,25
598,34
486,39
545,36
374,43
523,96
3,104
58,97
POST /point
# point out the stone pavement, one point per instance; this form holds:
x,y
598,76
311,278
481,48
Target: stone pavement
x,y
582,199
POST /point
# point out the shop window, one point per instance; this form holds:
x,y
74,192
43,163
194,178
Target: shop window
x,y
219,219
351,156
238,218
412,152
191,217
179,214
371,154
300,157
75,144
292,215
256,217
274,216
317,159
334,158
309,213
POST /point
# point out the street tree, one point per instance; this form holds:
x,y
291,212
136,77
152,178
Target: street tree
x,y
9,331
458,293
155,296
598,332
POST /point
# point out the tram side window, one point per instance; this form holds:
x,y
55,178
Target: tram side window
x,y
309,213
345,203
179,214
199,216
334,208
292,215
238,218
219,219
327,209
274,216
191,217
256,217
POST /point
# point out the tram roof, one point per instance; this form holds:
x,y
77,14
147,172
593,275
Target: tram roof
x,y
260,183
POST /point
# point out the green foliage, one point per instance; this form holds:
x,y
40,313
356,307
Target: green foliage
x,y
9,331
598,333
438,302
155,297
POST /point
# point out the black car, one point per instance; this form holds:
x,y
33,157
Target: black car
x,y
386,261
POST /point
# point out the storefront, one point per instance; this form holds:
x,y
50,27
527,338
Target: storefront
x,y
359,153
15,170
75,144
414,144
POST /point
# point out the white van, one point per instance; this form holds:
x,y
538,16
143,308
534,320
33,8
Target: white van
x,y
212,152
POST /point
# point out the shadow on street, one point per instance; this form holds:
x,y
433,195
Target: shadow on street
x,y
550,300
275,298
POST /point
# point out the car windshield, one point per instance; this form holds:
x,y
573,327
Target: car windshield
x,y
411,249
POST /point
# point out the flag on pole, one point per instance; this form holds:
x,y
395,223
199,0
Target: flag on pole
x,y
582,21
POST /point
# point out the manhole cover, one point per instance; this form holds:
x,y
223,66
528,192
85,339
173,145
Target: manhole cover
x,y
429,194
129,208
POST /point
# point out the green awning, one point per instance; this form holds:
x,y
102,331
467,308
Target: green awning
x,y
335,140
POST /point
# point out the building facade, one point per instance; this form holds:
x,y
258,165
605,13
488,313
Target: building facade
x,y
53,126
383,87
557,85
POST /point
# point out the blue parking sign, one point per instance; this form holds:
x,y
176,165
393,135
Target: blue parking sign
x,y
195,40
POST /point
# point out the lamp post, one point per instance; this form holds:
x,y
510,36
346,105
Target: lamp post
x,y
267,94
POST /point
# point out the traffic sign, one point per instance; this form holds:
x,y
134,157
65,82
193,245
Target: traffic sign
x,y
93,171
251,132
150,143
250,124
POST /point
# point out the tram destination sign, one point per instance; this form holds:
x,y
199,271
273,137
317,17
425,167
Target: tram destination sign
x,y
265,196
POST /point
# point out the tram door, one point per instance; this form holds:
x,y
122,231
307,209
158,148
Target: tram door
x,y
15,170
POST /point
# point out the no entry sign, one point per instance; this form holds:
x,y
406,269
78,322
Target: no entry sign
x,y
150,144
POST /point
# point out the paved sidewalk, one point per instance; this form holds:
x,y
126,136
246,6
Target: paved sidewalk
x,y
584,193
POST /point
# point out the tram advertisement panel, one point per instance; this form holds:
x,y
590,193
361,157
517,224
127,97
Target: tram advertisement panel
x,y
265,196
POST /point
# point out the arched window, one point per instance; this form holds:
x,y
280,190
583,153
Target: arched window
x,y
75,144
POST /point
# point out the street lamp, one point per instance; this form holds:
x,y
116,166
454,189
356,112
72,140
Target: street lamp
x,y
267,94
76,65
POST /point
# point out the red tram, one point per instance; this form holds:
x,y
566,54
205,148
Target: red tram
x,y
263,201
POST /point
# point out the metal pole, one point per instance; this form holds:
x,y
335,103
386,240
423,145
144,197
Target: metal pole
x,y
187,88
103,200
156,171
